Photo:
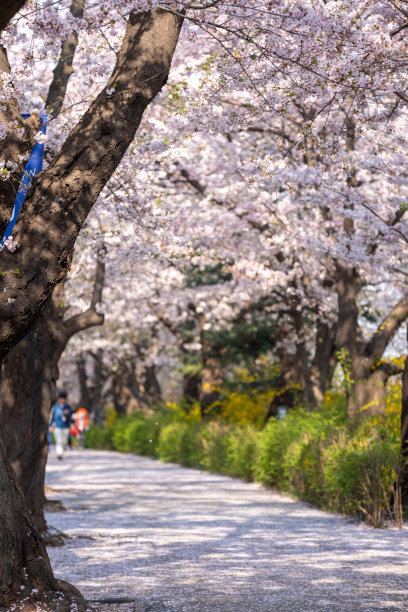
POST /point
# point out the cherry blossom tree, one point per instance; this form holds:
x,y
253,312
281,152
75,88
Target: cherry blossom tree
x,y
295,203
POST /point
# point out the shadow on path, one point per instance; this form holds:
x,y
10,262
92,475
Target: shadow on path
x,y
179,540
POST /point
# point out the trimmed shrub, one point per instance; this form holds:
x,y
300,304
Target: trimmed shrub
x,y
242,450
181,443
309,454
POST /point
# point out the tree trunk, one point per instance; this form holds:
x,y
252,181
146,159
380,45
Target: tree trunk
x,y
28,378
8,9
84,398
404,437
24,559
365,374
152,385
191,387
62,196
368,396
127,395
324,360
27,387
97,410
288,392
211,381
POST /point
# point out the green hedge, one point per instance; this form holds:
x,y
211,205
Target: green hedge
x,y
311,455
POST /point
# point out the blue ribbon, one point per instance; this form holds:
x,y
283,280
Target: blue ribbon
x,y
33,167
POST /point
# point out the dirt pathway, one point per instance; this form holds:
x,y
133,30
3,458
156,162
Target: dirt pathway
x,y
169,539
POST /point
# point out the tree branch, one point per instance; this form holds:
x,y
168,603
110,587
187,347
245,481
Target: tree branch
x,y
390,368
171,327
98,284
8,9
387,329
82,321
90,317
63,70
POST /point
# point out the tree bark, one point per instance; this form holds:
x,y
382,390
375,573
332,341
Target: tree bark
x,y
191,387
212,379
288,388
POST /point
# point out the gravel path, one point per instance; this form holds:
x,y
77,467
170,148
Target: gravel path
x,y
177,540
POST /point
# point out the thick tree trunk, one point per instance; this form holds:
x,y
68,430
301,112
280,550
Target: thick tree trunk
x,y
26,401
25,570
368,396
27,386
63,195
29,375
365,375
8,9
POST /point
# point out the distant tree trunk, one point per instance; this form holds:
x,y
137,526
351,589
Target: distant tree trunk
x,y
97,409
288,392
191,387
212,378
84,395
362,360
212,375
301,380
152,385
404,436
128,397
324,360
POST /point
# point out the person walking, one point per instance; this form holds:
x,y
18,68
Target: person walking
x,y
60,423
81,425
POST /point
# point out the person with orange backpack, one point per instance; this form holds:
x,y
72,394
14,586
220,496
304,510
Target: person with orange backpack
x,y
81,425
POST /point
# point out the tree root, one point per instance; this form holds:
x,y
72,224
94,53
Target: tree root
x,y
66,599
